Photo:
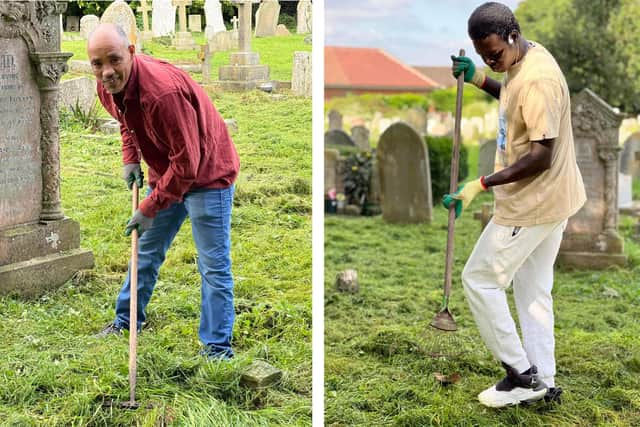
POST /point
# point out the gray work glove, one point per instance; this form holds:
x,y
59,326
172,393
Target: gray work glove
x,y
139,222
132,173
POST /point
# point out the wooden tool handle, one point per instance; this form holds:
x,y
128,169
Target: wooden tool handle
x,y
133,301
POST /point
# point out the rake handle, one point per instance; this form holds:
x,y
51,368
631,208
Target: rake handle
x,y
133,302
453,185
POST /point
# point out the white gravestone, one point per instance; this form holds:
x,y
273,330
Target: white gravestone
x,y
213,16
304,17
88,23
163,18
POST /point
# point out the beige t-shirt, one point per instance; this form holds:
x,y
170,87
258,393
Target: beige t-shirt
x,y
535,105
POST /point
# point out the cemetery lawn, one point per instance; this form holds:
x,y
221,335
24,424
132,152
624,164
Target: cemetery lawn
x,y
381,353
276,52
53,372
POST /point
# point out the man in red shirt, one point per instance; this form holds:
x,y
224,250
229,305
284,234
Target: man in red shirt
x,y
169,121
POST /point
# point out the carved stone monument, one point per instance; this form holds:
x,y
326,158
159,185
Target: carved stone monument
x,y
119,13
245,71
338,137
195,23
267,18
405,178
213,17
183,39
303,17
360,135
146,33
591,239
301,74
88,23
163,18
335,120
39,246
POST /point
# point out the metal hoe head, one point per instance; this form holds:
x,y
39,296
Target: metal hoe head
x,y
444,321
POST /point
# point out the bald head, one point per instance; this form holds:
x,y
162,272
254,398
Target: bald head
x,y
111,56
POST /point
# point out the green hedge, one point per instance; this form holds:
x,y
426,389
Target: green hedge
x,y
440,163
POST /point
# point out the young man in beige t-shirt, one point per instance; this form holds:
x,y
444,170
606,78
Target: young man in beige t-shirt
x,y
537,186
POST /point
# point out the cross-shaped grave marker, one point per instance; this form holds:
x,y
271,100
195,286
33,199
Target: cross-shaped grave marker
x,y
182,12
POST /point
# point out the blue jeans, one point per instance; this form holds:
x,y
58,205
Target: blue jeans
x,y
210,214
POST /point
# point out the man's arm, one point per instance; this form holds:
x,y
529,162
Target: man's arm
x,y
492,87
536,161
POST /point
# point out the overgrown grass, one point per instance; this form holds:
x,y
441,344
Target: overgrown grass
x,y
381,353
276,52
54,373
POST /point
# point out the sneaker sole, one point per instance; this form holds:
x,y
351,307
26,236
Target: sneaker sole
x,y
515,397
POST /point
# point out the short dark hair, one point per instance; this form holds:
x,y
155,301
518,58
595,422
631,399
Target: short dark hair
x,y
492,18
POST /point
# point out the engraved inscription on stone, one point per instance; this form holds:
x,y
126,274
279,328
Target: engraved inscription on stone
x,y
20,157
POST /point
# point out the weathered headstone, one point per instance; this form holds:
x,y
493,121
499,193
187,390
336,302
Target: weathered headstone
x,y
282,30
335,120
267,18
39,246
625,197
119,13
195,23
80,92
301,74
223,41
630,157
73,24
163,18
244,71
146,33
487,157
347,281
331,176
213,17
338,137
417,119
591,239
183,40
405,178
304,17
360,136
88,23
205,57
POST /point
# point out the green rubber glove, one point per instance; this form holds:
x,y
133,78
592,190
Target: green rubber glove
x,y
132,173
471,74
447,199
139,222
464,195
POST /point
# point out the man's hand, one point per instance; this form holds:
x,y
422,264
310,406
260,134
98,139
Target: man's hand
x,y
464,196
139,222
132,173
471,74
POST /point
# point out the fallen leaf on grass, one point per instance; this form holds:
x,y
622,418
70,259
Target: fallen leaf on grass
x,y
447,379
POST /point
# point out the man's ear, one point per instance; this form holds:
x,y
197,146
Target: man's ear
x,y
132,49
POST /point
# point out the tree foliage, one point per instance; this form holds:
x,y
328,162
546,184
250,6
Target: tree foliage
x,y
594,42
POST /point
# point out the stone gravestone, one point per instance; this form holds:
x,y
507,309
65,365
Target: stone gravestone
x,y
119,13
303,17
183,39
195,23
332,178
335,120
301,74
80,91
591,239
487,157
39,246
360,135
338,137
146,34
163,18
73,24
88,23
630,157
213,17
223,41
625,191
282,31
244,71
267,18
417,119
405,178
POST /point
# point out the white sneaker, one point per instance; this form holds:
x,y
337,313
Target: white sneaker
x,y
514,389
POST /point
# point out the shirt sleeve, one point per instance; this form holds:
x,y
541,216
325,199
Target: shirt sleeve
x,y
130,152
175,122
541,104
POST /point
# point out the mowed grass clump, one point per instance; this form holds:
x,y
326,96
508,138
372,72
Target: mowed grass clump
x,y
381,354
55,373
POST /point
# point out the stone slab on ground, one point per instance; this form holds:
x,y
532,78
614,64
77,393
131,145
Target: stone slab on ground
x,y
260,375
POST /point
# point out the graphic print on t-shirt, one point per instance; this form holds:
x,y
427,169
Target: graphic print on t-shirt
x,y
501,140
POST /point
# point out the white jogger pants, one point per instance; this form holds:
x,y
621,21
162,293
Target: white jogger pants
x,y
524,255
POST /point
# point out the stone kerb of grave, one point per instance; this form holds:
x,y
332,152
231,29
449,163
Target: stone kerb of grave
x,y
267,18
591,239
405,178
39,246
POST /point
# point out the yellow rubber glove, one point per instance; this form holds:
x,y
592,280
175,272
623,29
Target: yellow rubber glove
x,y
469,192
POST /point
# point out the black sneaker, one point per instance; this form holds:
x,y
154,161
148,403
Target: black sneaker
x,y
110,329
515,388
553,395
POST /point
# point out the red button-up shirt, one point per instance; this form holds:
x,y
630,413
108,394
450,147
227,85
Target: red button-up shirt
x,y
168,119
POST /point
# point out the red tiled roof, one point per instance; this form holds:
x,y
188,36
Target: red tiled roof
x,y
441,75
370,68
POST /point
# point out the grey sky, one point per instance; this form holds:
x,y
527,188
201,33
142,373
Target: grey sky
x,y
418,32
